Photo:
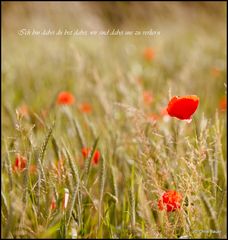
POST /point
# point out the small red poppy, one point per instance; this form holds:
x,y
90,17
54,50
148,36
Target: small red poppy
x,y
183,107
96,156
170,201
20,163
53,203
65,98
149,54
85,107
222,104
85,152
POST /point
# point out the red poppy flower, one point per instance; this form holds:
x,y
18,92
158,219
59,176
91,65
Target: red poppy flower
x,y
65,98
183,107
149,54
85,152
147,97
170,201
85,107
20,163
222,104
53,203
96,156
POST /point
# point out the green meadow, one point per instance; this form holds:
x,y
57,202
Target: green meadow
x,y
120,85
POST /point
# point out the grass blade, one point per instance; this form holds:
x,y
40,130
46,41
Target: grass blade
x,y
79,133
102,184
43,150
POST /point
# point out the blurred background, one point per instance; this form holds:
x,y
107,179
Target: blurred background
x,y
100,15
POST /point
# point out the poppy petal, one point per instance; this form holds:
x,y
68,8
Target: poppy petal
x,y
183,107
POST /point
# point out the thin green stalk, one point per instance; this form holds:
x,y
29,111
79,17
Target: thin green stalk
x,y
102,185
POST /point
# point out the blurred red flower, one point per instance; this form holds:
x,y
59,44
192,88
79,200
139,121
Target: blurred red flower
x,y
222,104
149,54
53,203
147,97
183,107
85,152
65,98
85,107
170,201
96,156
20,163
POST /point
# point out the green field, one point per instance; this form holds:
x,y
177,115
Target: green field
x,y
143,153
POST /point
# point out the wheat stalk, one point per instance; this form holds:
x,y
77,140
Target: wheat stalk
x,y
102,184
43,150
132,199
79,133
9,168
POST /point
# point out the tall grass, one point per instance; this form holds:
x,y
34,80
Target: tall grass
x,y
140,158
